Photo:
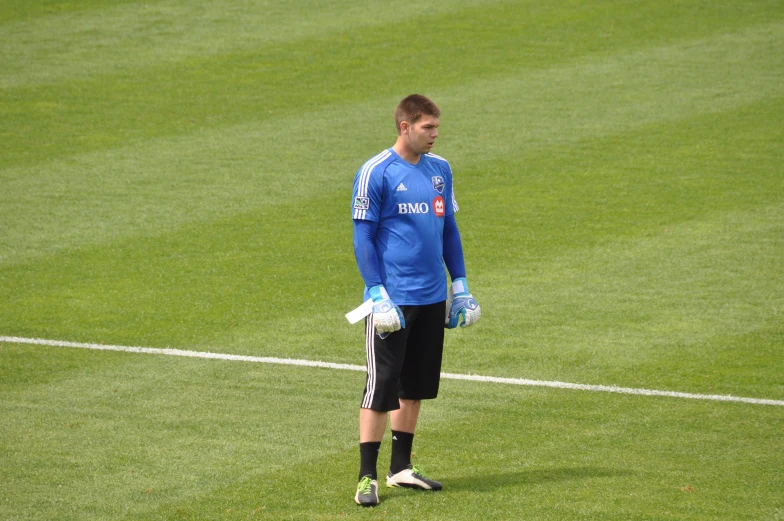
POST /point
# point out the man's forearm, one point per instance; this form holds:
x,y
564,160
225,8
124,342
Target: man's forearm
x,y
365,252
453,248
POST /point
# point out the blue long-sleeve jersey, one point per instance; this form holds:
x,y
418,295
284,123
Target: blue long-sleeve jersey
x,y
404,227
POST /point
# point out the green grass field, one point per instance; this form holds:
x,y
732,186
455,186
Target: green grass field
x,y
178,174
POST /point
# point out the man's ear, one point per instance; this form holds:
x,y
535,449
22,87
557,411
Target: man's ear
x,y
404,127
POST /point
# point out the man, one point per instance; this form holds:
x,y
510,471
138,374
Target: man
x,y
404,235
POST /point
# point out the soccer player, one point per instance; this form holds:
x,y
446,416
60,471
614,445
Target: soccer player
x,y
405,235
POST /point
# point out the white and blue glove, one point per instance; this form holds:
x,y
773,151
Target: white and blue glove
x,y
387,317
464,309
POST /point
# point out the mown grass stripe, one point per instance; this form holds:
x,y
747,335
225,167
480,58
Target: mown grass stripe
x,y
227,169
350,367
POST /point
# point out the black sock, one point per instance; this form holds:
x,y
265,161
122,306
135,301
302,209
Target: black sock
x,y
368,457
401,451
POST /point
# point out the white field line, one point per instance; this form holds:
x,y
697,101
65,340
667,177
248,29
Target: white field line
x,y
348,367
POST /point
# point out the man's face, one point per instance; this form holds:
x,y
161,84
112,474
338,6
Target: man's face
x,y
422,134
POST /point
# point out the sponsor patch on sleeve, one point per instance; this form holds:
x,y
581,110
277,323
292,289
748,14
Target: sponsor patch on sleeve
x,y
361,203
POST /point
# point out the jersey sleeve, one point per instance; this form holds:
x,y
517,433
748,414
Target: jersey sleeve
x,y
450,190
368,191
453,248
365,252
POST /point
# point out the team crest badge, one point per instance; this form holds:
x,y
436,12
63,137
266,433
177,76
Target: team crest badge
x,y
438,183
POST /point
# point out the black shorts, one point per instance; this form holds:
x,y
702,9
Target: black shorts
x,y
407,363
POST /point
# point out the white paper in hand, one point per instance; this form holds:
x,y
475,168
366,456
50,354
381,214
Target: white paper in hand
x,y
449,296
361,312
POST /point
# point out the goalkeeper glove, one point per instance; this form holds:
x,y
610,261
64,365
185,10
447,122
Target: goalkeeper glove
x,y
464,309
387,317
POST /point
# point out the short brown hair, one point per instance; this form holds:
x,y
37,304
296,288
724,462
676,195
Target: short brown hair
x,y
413,107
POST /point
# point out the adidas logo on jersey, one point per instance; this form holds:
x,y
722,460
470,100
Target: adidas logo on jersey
x,y
401,188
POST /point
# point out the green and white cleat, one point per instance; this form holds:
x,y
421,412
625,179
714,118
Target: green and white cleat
x,y
367,492
412,477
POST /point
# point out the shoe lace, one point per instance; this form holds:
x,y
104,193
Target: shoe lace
x,y
416,469
365,485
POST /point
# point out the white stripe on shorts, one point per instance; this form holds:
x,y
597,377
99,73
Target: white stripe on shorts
x,y
370,347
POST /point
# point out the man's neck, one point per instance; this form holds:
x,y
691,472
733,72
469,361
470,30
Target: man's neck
x,y
405,153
